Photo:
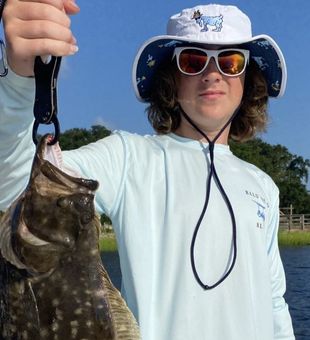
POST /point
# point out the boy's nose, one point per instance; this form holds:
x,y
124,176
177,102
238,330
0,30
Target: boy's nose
x,y
211,72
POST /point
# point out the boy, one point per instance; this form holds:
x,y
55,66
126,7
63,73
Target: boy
x,y
196,226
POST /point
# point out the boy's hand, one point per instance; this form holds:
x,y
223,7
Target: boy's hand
x,y
37,28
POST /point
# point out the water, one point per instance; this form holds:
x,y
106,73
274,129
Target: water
x,y
111,264
296,263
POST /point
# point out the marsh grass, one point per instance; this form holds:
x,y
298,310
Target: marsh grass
x,y
294,238
107,243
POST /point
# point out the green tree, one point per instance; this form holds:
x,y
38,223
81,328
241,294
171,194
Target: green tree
x,y
77,137
290,172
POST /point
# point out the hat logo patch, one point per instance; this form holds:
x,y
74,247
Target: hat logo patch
x,y
204,21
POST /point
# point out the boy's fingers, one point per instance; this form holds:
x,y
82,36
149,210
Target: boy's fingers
x,y
44,47
41,29
71,7
34,11
55,3
37,27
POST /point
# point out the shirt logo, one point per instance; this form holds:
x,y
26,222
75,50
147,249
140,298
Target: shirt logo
x,y
261,208
261,214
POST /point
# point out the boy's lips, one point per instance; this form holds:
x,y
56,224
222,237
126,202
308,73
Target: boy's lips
x,y
212,94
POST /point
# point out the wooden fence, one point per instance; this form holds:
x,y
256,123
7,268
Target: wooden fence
x,y
295,221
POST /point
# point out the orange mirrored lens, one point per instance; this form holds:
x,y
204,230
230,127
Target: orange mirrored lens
x,y
192,61
231,62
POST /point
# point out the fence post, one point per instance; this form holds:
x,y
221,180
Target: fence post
x,y
291,209
302,222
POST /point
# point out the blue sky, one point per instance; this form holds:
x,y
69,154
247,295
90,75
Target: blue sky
x,y
95,84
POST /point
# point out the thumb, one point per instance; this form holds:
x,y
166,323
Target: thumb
x,y
71,7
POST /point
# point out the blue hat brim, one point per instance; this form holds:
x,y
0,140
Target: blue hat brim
x,y
154,52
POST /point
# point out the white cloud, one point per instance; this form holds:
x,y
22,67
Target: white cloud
x,y
100,121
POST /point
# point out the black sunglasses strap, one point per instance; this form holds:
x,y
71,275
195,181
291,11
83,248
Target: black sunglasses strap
x,y
213,174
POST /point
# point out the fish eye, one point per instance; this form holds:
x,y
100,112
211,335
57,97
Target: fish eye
x,y
64,202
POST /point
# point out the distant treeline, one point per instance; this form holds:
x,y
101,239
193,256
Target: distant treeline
x,y
289,171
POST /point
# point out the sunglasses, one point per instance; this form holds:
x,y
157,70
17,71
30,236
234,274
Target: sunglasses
x,y
230,62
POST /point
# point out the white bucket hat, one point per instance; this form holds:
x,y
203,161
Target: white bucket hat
x,y
212,25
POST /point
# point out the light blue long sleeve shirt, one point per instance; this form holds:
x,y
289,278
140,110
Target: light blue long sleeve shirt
x,y
153,188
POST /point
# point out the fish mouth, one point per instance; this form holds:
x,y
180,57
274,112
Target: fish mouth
x,y
26,235
48,161
34,231
54,198
32,240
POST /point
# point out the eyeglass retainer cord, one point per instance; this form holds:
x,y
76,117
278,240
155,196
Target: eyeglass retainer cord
x,y
213,174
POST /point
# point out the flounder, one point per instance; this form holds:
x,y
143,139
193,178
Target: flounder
x,y
52,281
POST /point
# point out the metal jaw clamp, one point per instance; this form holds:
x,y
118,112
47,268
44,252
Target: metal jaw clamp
x,y
3,59
45,104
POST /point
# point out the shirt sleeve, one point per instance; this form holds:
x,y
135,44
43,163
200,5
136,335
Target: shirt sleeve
x,y
104,161
283,329
16,146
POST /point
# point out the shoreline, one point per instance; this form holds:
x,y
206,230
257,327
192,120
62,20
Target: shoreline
x,y
286,238
294,238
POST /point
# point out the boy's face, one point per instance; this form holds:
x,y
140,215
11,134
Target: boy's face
x,y
209,99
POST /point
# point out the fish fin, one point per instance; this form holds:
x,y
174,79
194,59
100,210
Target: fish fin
x,y
124,323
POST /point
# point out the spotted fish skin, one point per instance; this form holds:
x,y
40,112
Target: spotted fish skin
x,y
52,282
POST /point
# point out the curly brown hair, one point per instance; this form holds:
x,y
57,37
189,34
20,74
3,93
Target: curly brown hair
x,y
252,117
